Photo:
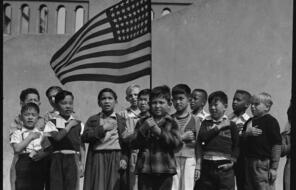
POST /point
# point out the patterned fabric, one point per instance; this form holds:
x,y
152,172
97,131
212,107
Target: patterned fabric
x,y
156,153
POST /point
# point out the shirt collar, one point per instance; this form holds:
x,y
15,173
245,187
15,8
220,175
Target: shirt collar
x,y
71,117
102,115
209,118
244,117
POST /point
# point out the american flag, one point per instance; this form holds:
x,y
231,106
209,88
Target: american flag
x,y
114,46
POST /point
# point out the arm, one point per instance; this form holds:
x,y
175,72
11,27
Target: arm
x,y
20,146
57,136
235,142
82,159
205,133
93,131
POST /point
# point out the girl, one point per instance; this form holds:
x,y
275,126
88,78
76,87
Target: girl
x,y
26,142
68,152
103,132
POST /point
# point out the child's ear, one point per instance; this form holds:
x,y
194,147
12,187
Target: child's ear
x,y
22,103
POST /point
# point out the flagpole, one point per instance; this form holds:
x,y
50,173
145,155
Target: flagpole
x,y
150,23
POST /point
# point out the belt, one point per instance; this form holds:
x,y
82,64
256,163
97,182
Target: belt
x,y
66,152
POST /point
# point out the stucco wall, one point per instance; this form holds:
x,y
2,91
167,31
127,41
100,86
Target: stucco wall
x,y
215,44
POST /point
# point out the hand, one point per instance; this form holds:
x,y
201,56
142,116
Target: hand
x,y
253,131
122,164
73,122
108,126
39,155
226,166
155,130
224,124
196,174
34,135
188,136
272,175
40,124
150,122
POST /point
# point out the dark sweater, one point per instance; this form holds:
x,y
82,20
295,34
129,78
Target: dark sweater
x,y
260,146
222,142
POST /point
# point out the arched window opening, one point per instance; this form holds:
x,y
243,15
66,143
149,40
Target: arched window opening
x,y
61,22
79,18
43,19
25,19
165,11
7,19
152,14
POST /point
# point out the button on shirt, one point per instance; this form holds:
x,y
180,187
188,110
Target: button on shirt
x,y
20,134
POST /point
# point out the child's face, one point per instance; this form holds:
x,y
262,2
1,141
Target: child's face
x,y
32,98
143,103
196,100
29,118
217,109
159,107
65,106
132,96
107,102
239,103
180,102
258,107
51,97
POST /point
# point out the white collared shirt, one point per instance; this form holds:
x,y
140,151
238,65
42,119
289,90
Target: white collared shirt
x,y
202,115
20,134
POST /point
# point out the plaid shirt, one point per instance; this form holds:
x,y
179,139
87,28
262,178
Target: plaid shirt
x,y
157,153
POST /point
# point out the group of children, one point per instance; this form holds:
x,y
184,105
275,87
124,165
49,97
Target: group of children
x,y
146,147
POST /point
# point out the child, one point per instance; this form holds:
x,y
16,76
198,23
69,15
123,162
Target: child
x,y
131,114
240,104
197,102
157,139
219,138
50,93
27,95
188,129
26,142
143,103
262,145
64,133
103,132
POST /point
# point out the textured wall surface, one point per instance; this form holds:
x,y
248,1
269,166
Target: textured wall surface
x,y
214,44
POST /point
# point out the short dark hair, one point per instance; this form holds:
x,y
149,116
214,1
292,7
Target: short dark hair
x,y
204,92
61,95
144,92
218,95
107,90
245,93
181,89
30,105
27,91
57,88
161,91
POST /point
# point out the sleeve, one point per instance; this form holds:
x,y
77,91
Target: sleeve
x,y
49,127
235,141
15,125
136,140
205,133
286,141
274,132
93,132
82,128
170,136
16,137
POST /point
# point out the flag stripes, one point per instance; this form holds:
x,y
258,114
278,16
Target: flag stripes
x,y
114,46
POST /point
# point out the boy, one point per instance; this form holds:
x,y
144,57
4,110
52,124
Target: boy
x,y
131,114
64,133
50,93
197,102
29,95
26,143
188,160
143,103
157,139
219,138
263,145
240,103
